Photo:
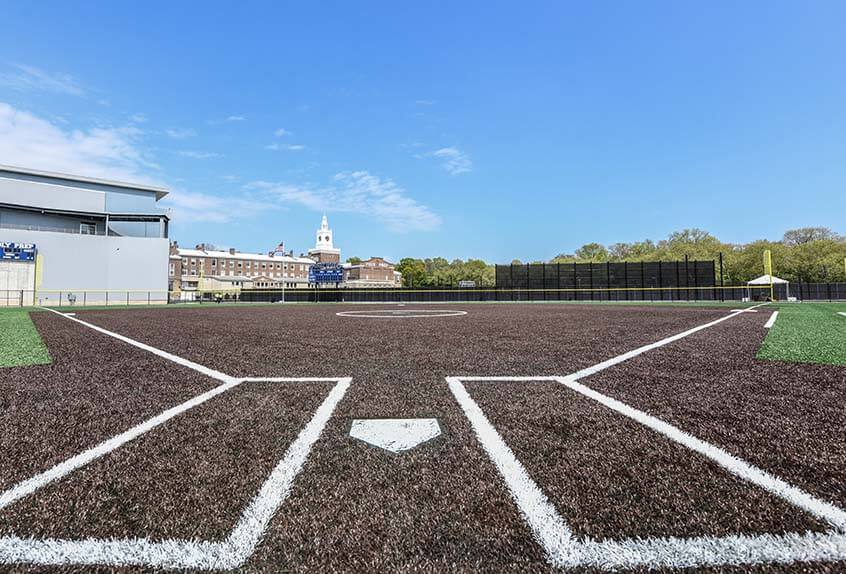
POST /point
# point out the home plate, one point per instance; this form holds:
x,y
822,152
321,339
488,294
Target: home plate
x,y
395,435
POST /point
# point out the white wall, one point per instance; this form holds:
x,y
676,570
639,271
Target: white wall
x,y
72,262
50,196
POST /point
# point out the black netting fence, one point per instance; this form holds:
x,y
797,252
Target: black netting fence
x,y
625,281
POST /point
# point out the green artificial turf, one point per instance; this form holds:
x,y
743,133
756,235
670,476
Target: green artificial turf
x,y
807,333
20,343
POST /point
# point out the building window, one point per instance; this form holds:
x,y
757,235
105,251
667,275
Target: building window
x,y
214,263
88,228
172,270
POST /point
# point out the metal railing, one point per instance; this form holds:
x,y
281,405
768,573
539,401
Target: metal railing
x,y
102,297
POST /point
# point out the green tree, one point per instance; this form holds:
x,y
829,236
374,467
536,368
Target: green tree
x,y
592,252
354,260
413,271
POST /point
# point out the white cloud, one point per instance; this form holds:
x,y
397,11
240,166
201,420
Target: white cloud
x,y
425,102
281,132
28,140
198,154
235,119
31,79
452,159
357,192
288,147
180,133
138,118
188,207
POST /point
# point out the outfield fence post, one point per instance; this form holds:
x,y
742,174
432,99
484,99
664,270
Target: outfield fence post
x,y
661,281
85,298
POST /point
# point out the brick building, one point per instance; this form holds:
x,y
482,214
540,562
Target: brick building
x,y
214,270
374,272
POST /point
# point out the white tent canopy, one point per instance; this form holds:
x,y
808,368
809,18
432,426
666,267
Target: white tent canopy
x,y
766,280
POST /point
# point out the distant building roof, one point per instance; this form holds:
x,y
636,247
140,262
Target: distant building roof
x,y
159,191
239,255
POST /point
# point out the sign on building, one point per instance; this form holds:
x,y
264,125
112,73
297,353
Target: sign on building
x,y
17,251
321,273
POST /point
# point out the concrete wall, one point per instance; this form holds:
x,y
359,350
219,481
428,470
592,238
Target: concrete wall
x,y
75,263
16,276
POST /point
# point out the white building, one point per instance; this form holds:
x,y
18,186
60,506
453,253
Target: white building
x,y
324,250
95,239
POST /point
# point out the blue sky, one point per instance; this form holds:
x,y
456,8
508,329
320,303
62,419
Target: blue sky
x,y
475,129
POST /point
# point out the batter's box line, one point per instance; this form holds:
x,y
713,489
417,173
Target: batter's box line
x,y
565,550
227,554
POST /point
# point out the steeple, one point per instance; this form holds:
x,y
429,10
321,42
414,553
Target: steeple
x,y
324,235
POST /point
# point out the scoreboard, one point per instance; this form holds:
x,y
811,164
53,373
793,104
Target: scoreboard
x,y
17,251
325,273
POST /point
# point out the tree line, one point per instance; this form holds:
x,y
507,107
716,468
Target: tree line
x,y
806,255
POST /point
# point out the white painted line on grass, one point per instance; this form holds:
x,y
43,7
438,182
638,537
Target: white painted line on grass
x,y
550,529
255,518
841,313
771,321
400,313
795,496
565,551
222,377
184,554
32,484
640,350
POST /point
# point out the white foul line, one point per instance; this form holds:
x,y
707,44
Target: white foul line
x,y
564,550
841,313
771,321
183,554
217,375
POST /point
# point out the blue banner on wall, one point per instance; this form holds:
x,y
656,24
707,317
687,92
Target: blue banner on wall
x,y
325,273
17,251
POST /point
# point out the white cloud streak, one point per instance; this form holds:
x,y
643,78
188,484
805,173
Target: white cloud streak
x,y
27,140
357,192
194,207
453,160
193,154
25,78
180,133
284,147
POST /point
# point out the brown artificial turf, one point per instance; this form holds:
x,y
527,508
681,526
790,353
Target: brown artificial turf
x,y
95,388
788,419
189,478
610,477
441,507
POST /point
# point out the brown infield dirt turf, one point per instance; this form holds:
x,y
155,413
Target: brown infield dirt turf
x,y
441,507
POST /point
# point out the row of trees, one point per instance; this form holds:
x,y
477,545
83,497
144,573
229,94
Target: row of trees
x,y
809,254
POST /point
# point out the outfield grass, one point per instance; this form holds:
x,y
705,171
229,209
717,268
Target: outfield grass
x,y
20,343
807,333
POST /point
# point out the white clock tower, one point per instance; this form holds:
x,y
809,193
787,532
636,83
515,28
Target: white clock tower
x,y
324,250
